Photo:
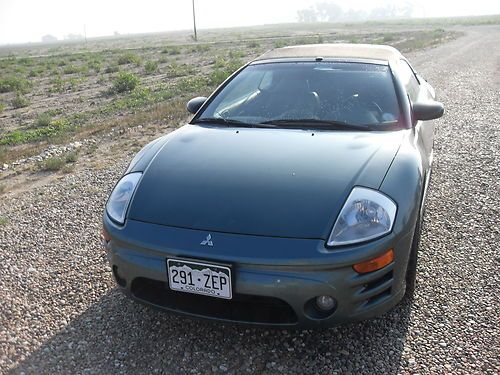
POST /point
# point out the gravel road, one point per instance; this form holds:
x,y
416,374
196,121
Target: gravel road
x,y
60,311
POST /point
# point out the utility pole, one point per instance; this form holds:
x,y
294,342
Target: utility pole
x,y
85,34
194,24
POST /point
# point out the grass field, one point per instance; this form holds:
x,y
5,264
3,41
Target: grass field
x,y
55,93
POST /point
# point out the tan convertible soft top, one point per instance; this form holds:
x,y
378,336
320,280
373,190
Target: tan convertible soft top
x,y
336,50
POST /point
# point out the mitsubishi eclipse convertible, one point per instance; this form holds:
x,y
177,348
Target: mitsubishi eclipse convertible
x,y
293,198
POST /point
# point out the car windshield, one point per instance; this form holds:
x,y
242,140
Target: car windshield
x,y
307,94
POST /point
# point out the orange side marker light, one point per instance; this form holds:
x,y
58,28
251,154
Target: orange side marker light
x,y
376,263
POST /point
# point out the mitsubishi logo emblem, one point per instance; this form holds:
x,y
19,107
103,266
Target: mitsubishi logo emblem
x,y
207,241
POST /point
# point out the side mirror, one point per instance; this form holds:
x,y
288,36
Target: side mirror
x,y
428,110
195,104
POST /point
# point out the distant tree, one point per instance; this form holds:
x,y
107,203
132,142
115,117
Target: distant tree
x,y
329,12
49,39
393,11
406,10
323,12
380,13
355,15
307,15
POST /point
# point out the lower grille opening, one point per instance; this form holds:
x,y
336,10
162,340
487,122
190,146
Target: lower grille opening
x,y
241,308
378,297
376,283
377,289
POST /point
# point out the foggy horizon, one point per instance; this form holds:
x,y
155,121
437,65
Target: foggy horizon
x,y
66,21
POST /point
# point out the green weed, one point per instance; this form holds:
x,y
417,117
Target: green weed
x,y
14,83
52,164
280,43
218,76
129,58
95,65
200,48
61,85
124,82
191,85
25,61
20,101
151,67
36,72
71,69
171,50
57,85
71,157
179,70
253,44
55,128
236,54
112,69
43,120
19,69
223,69
388,38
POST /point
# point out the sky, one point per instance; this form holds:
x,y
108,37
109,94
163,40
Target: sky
x,y
28,20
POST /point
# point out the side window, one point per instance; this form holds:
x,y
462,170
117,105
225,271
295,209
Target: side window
x,y
409,80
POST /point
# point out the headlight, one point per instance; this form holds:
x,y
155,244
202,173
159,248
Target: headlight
x,y
367,214
120,197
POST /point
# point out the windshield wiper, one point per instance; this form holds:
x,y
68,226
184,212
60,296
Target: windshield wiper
x,y
329,124
289,123
221,120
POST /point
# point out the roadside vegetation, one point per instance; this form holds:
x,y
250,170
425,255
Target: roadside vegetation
x,y
20,101
57,163
125,82
151,67
129,58
14,83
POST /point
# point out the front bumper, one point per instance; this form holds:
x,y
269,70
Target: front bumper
x,y
275,280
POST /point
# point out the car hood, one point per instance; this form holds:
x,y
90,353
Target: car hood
x,y
269,182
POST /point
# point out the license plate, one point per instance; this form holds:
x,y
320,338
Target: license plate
x,y
199,278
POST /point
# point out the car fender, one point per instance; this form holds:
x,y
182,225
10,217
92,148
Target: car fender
x,y
404,183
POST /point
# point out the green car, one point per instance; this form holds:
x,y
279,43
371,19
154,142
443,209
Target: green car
x,y
293,198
